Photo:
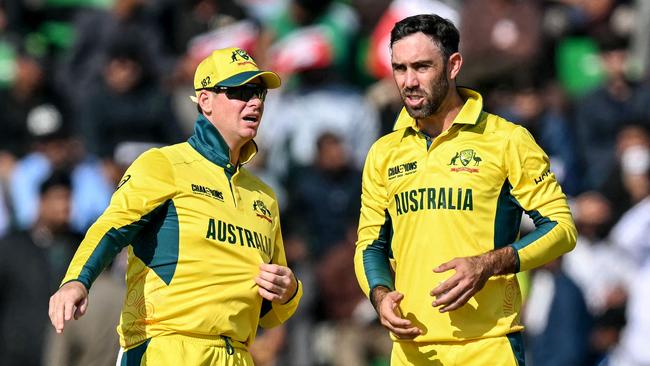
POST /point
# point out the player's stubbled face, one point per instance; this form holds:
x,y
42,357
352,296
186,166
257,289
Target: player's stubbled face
x,y
420,72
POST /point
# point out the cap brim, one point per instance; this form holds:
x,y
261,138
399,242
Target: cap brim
x,y
271,79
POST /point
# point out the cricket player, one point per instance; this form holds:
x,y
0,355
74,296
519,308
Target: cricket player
x,y
442,200
206,262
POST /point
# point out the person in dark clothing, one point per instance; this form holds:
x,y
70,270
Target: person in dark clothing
x,y
128,104
31,262
558,330
325,196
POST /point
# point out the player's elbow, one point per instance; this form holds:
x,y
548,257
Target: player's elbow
x,y
571,236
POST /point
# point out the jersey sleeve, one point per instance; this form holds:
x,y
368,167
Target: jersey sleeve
x,y
273,314
536,190
147,185
372,253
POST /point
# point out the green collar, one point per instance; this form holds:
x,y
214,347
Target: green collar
x,y
208,142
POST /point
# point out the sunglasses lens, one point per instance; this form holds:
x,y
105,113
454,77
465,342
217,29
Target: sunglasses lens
x,y
246,93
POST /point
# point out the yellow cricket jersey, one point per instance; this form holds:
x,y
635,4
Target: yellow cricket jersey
x,y
197,229
426,201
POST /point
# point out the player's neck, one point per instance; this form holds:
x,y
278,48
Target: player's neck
x,y
443,118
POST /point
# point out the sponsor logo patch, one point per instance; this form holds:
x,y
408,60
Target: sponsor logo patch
x,y
206,191
401,170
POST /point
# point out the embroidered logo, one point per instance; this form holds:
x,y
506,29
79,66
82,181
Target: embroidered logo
x,y
465,157
261,211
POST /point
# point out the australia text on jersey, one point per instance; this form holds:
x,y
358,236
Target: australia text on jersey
x,y
429,198
235,234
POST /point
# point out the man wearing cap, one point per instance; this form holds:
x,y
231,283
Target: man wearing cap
x,y
206,258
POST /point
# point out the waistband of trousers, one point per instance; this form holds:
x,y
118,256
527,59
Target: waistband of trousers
x,y
208,340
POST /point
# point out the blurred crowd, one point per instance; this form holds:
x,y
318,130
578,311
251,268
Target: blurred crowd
x,y
88,85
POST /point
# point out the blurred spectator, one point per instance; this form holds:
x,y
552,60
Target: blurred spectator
x,y
5,219
299,338
196,17
91,340
127,104
27,90
556,319
55,150
626,184
641,37
600,114
499,38
31,262
203,26
575,16
601,270
598,268
542,111
268,344
325,196
296,119
310,35
632,234
359,339
96,30
378,62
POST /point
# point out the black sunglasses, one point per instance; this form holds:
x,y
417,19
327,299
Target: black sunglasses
x,y
244,92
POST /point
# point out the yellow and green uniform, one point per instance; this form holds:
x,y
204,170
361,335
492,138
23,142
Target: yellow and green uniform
x,y
426,201
197,230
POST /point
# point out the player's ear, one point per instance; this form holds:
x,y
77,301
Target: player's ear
x,y
454,63
204,100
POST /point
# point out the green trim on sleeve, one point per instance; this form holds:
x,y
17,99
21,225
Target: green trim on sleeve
x,y
157,243
543,225
507,218
111,243
154,238
376,257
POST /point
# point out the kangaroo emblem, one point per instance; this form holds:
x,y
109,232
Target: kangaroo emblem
x,y
453,160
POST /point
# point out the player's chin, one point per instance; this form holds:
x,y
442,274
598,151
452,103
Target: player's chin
x,y
249,132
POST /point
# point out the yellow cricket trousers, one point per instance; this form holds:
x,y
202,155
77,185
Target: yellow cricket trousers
x,y
179,350
497,351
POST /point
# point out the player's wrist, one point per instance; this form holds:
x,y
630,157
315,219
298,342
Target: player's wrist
x,y
499,262
377,295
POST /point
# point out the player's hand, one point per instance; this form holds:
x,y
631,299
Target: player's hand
x,y
471,275
276,283
70,300
390,316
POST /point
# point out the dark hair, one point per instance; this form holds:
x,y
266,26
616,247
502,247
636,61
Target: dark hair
x,y
442,31
58,178
327,137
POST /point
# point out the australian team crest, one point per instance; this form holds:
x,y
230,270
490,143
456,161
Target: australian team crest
x,y
261,211
467,157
